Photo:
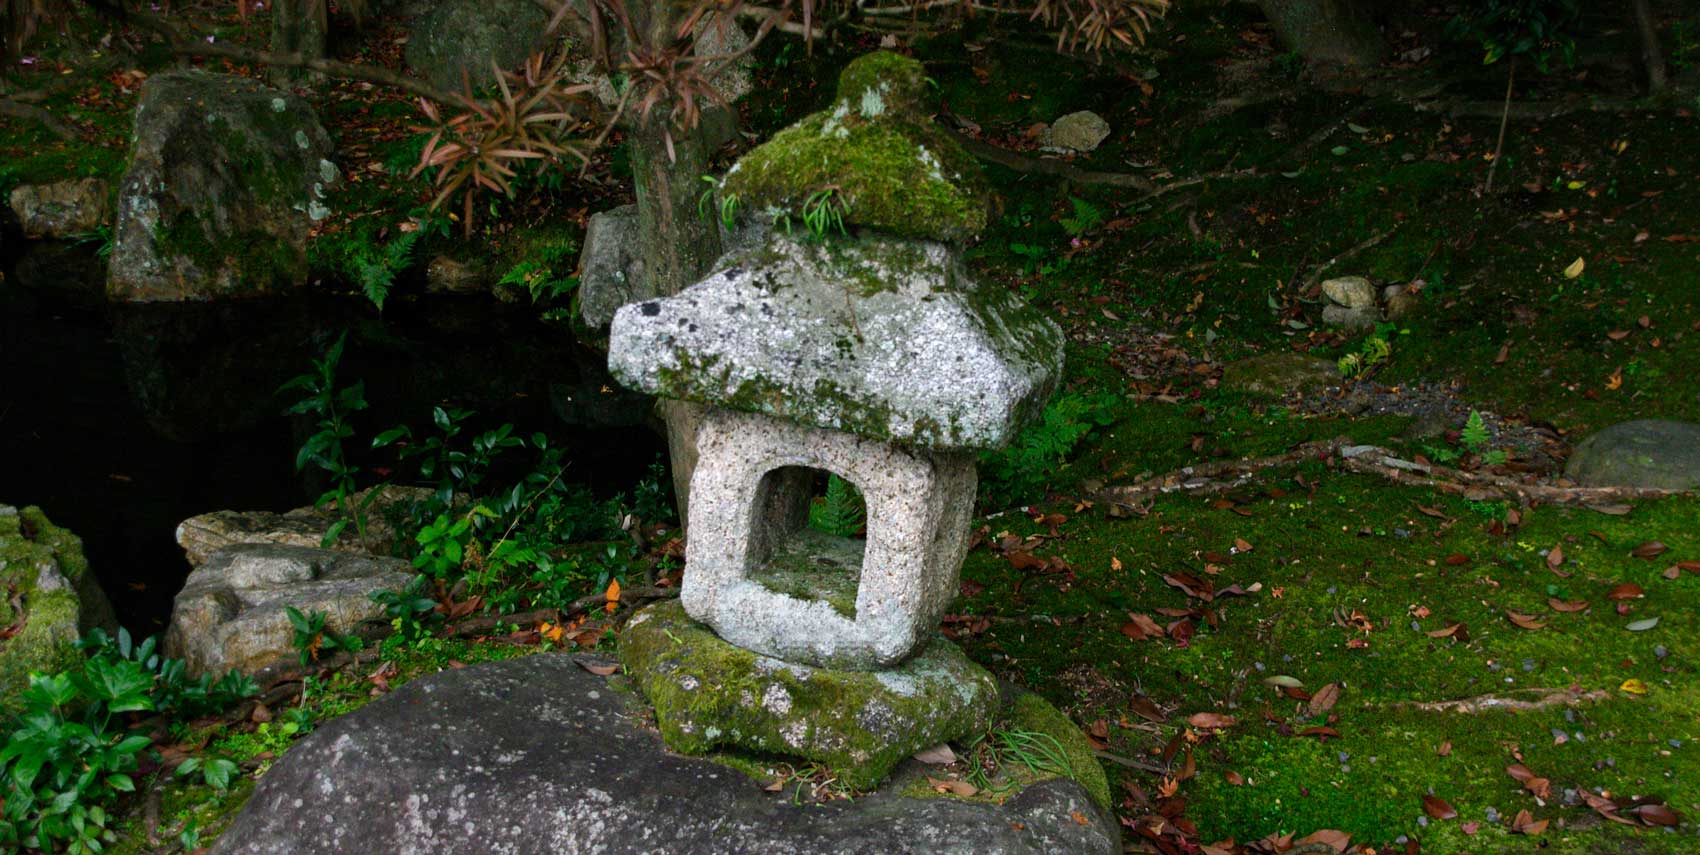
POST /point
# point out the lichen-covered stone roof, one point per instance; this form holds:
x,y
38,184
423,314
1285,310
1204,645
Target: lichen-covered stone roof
x,y
875,148
882,337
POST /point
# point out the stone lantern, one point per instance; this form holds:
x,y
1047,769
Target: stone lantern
x,y
866,351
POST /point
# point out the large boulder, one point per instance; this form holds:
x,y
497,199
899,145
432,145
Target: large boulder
x,y
62,209
535,756
1650,453
59,596
226,179
232,612
456,42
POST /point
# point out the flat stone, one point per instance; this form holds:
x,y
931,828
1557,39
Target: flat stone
x,y
232,611
1280,373
1649,453
1353,292
611,272
1077,132
202,535
535,756
884,338
1353,319
746,522
62,209
710,694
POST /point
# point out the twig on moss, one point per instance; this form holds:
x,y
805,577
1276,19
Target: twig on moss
x,y
1543,699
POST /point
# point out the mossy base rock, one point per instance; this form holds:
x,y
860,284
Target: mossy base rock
x,y
61,599
232,611
201,536
62,209
456,42
709,694
874,155
1650,453
226,179
882,337
1280,374
536,756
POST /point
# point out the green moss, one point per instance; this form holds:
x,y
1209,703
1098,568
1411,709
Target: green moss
x,y
708,694
54,619
895,171
1033,714
257,261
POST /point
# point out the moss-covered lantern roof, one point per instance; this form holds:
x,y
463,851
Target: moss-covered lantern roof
x,y
877,150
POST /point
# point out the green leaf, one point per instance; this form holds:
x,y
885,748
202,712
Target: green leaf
x,y
121,783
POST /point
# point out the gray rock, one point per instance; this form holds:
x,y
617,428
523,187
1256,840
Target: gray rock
x,y
445,275
1651,453
43,566
1077,132
709,693
884,338
534,756
1353,292
1280,374
1355,319
231,613
1401,304
62,209
204,534
611,272
454,42
748,520
226,179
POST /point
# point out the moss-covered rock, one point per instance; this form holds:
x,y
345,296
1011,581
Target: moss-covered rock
x,y
225,182
708,693
1029,713
43,566
875,154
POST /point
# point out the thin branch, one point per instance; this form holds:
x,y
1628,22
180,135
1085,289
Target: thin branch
x,y
1210,477
1369,243
182,42
1543,699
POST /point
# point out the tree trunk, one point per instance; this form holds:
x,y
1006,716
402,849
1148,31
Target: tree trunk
x,y
1338,32
298,27
679,246
1652,55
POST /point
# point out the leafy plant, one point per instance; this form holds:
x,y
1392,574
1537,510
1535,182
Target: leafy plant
x,y
217,772
541,280
1375,350
324,448
375,268
727,205
1028,462
824,211
842,512
411,610
313,638
1538,30
1086,218
1477,440
171,691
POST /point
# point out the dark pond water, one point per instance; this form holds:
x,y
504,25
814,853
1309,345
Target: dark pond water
x,y
122,421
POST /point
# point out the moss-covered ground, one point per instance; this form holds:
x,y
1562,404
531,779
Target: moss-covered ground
x,y
1345,615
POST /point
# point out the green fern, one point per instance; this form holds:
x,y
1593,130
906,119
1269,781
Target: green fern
x,y
1475,436
842,512
1086,218
375,268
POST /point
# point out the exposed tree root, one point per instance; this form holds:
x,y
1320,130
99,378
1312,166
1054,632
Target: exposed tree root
x,y
1217,477
1541,699
1222,476
20,110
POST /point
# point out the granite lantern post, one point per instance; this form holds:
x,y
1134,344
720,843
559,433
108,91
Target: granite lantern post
x,y
866,351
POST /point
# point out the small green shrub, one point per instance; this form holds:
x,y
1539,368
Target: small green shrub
x,y
1008,475
312,638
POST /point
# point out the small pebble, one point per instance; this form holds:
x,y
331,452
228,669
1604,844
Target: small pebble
x,y
1528,665
1660,651
1257,665
1676,743
1492,815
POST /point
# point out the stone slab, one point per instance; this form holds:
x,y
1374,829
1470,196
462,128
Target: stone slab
x,y
1653,453
535,756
